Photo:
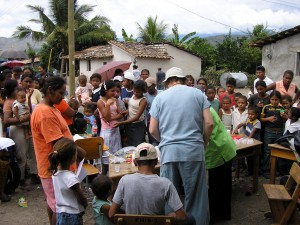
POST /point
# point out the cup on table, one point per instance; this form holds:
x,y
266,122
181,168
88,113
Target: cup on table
x,y
117,168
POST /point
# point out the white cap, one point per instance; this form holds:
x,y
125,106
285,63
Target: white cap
x,y
149,152
129,76
119,78
174,72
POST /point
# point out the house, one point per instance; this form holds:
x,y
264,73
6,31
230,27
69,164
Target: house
x,y
281,52
146,56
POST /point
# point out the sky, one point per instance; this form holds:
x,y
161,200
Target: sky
x,y
206,17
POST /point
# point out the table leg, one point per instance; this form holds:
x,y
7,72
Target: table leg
x,y
255,167
273,169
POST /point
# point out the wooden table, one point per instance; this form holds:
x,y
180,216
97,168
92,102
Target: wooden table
x,y
253,149
278,151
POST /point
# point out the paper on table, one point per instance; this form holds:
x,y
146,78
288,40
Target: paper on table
x,y
77,137
81,173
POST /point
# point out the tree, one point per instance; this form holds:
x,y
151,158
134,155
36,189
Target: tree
x,y
126,37
153,31
205,50
185,40
32,54
54,27
259,31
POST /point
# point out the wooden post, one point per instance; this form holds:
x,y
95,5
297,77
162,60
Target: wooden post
x,y
71,47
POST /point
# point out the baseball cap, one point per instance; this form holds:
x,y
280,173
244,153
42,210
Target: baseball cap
x,y
129,76
119,78
150,81
145,151
174,72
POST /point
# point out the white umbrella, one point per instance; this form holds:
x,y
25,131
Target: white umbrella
x,y
5,143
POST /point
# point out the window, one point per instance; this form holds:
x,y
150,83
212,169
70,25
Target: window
x,y
298,64
88,65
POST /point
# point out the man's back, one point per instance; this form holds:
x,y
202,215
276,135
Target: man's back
x,y
146,194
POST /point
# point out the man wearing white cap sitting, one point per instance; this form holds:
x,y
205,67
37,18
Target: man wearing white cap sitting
x,y
178,116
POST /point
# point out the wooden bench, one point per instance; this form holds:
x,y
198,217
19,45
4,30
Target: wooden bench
x,y
129,219
283,198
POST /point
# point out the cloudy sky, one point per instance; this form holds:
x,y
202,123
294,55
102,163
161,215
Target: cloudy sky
x,y
202,16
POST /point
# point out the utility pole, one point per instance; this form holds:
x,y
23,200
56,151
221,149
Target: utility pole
x,y
71,47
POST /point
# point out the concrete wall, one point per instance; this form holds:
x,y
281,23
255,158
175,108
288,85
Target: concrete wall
x,y
189,63
282,55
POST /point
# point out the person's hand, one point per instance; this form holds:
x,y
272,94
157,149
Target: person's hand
x,y
24,118
116,124
260,104
88,120
30,92
236,131
124,113
272,119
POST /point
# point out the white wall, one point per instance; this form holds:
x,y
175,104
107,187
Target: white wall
x,y
95,64
284,56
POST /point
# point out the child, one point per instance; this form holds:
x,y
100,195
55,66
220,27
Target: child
x,y
21,108
84,91
136,191
70,201
210,92
286,102
102,188
225,113
236,98
218,160
95,81
220,91
202,82
190,81
136,106
88,112
239,116
110,113
36,84
261,98
80,126
273,117
297,100
230,86
127,90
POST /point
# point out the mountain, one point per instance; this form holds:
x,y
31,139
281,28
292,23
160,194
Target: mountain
x,y
7,43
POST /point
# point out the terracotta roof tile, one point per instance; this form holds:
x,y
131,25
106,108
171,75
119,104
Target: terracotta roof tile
x,y
95,52
141,50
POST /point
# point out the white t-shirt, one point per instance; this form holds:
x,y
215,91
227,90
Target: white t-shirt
x,y
238,118
268,82
65,198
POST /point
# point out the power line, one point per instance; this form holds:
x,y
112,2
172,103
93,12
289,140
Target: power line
x,y
203,17
100,8
292,3
282,4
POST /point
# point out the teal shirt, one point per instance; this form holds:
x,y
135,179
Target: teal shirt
x,y
221,147
99,217
215,104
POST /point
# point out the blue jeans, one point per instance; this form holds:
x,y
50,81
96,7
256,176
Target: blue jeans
x,y
189,178
69,219
269,138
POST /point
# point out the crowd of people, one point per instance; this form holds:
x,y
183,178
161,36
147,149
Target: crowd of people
x,y
190,121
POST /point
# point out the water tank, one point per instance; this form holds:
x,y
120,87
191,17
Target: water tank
x,y
241,79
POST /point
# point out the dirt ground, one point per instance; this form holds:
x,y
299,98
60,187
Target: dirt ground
x,y
246,210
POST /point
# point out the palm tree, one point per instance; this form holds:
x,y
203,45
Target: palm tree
x,y
153,31
185,40
54,27
32,54
259,31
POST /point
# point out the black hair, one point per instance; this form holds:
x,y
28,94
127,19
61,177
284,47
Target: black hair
x,y
226,97
79,125
118,84
260,68
17,69
210,87
63,151
150,162
89,106
252,108
297,96
118,71
6,71
10,87
243,97
288,72
140,85
43,66
2,77
202,78
287,97
180,80
134,67
28,68
231,81
96,75
53,83
191,77
276,94
219,89
26,75
101,186
295,112
143,70
261,83
108,84
72,102
82,76
237,94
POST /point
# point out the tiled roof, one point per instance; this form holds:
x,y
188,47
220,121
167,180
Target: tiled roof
x,y
95,52
27,61
141,50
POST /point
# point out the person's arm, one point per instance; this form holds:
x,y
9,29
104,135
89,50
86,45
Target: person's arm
x,y
69,112
8,119
119,115
142,106
105,109
153,128
113,210
16,112
79,195
220,113
105,209
254,130
29,99
271,87
238,127
208,125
